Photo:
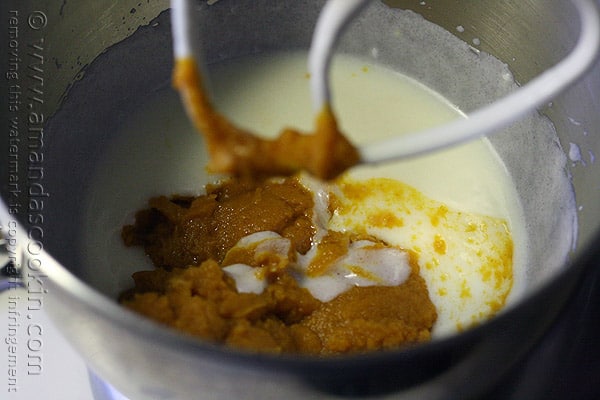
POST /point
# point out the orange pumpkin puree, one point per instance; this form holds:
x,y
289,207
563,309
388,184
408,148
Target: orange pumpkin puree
x,y
189,240
325,153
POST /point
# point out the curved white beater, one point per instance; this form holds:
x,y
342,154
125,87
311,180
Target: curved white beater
x,y
484,121
333,20
185,30
335,17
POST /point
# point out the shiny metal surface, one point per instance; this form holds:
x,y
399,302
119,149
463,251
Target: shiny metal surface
x,y
148,362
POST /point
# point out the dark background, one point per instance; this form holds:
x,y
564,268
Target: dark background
x,y
565,364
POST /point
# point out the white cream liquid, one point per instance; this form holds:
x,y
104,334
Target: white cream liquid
x,y
159,152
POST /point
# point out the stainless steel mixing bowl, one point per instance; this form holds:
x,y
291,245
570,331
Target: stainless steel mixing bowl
x,y
102,59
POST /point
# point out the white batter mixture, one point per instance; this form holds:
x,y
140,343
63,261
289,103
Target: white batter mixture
x,y
159,152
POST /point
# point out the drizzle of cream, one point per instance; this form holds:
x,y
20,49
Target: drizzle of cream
x,y
366,263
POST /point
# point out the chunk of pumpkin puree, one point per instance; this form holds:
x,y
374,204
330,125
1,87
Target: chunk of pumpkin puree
x,y
190,241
